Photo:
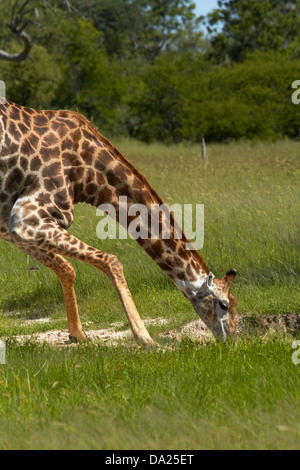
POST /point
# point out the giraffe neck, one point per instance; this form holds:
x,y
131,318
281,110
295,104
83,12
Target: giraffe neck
x,y
120,180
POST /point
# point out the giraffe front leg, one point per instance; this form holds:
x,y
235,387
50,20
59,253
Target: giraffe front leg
x,y
48,236
115,273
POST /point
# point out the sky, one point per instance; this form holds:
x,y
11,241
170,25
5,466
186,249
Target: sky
x,y
205,6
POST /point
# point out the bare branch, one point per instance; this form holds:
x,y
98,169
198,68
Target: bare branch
x,y
13,10
19,21
47,5
71,7
18,57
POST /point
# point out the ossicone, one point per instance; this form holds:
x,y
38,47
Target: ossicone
x,y
229,277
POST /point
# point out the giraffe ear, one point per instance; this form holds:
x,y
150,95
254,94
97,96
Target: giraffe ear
x,y
231,272
209,280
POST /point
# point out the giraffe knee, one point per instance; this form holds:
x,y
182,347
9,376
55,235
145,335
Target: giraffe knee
x,y
66,274
115,266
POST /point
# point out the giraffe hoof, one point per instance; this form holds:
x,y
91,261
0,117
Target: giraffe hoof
x,y
149,344
78,338
73,339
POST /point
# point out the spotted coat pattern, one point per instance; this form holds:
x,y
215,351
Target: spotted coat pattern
x,y
51,160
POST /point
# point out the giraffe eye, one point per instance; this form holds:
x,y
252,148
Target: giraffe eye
x,y
223,305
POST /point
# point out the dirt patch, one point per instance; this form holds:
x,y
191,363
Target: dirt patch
x,y
288,324
266,325
109,335
195,330
61,337
37,321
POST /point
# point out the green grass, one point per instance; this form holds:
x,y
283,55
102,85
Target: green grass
x,y
243,396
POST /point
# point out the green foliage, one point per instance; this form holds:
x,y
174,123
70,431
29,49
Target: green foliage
x,y
155,106
185,97
120,22
33,81
91,81
245,100
142,27
143,68
250,25
167,22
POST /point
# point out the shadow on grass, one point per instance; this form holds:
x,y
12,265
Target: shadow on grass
x,y
33,304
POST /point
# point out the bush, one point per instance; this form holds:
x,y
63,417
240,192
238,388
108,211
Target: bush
x,y
186,97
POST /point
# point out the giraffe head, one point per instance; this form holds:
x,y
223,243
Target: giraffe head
x,y
216,306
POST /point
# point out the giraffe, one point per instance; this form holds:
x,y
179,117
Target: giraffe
x,y
51,160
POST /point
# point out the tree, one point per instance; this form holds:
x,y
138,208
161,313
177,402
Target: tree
x,y
155,105
249,25
90,82
32,82
143,27
167,23
120,21
251,99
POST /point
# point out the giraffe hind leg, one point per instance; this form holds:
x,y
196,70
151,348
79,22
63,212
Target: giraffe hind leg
x,y
49,236
66,275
